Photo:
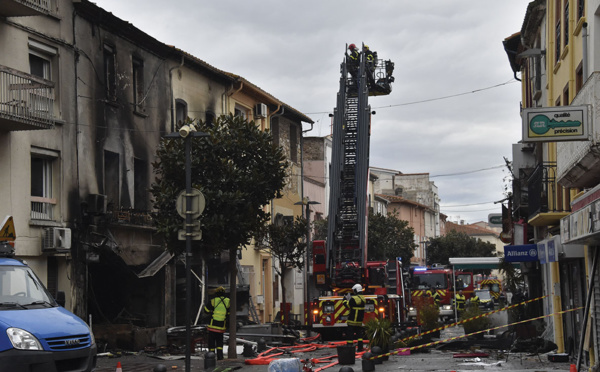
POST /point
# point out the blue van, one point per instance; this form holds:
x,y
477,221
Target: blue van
x,y
36,333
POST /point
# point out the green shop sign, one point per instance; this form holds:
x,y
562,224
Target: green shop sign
x,y
551,124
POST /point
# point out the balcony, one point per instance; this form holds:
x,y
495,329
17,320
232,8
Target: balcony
x,y
23,8
545,199
26,101
578,162
42,209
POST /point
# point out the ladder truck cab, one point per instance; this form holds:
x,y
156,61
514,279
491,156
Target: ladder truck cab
x,y
340,261
427,280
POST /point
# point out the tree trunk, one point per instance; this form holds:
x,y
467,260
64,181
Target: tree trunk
x,y
284,320
232,352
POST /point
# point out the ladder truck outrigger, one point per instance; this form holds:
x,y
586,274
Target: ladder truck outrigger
x,y
341,261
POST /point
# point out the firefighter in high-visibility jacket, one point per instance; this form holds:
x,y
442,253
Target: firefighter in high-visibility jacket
x,y
355,302
459,302
218,309
436,298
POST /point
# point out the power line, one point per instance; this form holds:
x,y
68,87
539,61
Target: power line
x,y
468,172
430,99
465,205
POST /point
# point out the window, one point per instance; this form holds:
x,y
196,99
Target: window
x,y
138,84
580,9
566,99
578,78
210,118
39,66
39,98
241,111
42,191
112,180
141,185
110,73
180,111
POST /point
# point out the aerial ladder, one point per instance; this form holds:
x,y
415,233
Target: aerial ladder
x,y
349,174
341,260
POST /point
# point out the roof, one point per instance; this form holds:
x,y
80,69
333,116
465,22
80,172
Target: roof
x,y
128,31
401,200
267,95
470,230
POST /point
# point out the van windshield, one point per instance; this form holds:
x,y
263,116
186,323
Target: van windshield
x,y
429,280
20,286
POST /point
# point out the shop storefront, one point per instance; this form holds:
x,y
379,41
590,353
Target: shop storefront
x,y
578,257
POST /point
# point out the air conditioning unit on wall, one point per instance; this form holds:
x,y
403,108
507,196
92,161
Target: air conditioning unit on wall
x,y
260,110
56,238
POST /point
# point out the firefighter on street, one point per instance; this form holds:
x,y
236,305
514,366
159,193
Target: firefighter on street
x,y
459,302
475,300
218,309
355,302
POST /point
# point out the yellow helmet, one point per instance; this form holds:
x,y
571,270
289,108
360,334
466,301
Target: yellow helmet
x,y
220,290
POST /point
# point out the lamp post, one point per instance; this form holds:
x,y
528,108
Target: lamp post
x,y
186,132
307,202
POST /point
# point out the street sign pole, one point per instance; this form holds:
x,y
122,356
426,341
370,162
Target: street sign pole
x,y
188,253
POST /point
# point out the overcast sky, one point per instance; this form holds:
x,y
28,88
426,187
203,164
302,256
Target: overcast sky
x,y
454,108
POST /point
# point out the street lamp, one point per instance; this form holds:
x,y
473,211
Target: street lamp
x,y
307,202
187,132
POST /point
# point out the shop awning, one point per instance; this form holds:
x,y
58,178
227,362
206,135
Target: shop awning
x,y
156,265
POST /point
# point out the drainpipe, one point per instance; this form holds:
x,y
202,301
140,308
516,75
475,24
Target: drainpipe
x,y
585,52
228,93
171,88
271,117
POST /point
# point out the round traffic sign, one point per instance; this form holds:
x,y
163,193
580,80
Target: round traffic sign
x,y
197,203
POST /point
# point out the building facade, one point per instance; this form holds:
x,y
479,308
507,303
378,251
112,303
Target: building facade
x,y
555,168
85,99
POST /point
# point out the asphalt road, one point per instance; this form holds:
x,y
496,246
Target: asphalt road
x,y
426,359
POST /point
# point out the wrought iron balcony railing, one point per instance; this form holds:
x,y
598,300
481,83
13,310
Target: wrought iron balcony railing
x,y
26,101
21,8
543,193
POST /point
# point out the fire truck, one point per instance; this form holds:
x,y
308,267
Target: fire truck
x,y
494,285
427,280
340,261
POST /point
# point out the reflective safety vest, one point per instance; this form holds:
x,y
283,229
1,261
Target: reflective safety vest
x,y
436,297
460,302
475,300
356,304
219,310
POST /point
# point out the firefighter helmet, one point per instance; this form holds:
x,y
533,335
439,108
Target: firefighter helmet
x,y
220,290
357,288
351,46
366,47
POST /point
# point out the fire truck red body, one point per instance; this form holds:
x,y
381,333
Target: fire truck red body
x,y
425,281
